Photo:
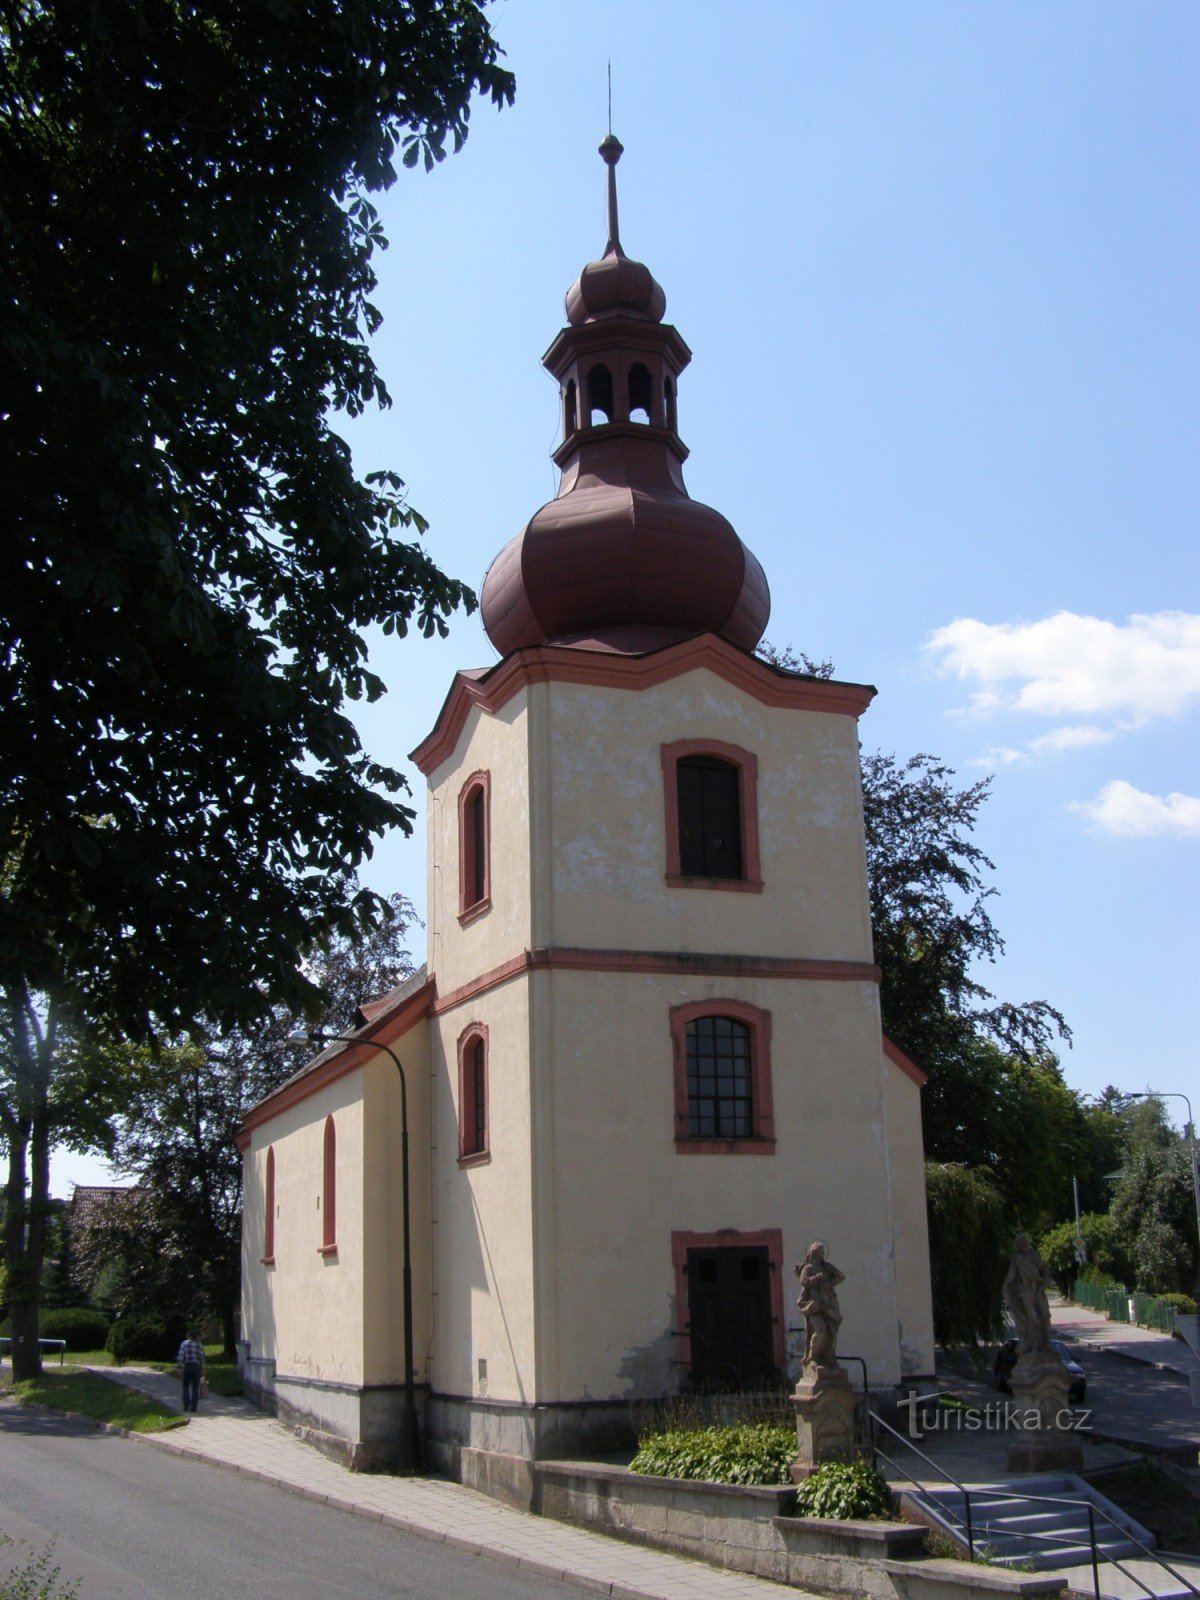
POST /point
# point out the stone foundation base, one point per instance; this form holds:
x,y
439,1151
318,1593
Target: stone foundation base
x,y
358,1427
1040,1385
825,1405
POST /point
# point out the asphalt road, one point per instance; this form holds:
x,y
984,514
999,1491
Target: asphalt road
x,y
135,1523
1135,1404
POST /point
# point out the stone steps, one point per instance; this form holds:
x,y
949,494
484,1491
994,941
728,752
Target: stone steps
x,y
1029,1526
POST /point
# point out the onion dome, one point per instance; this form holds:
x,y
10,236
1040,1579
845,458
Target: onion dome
x,y
623,558
614,285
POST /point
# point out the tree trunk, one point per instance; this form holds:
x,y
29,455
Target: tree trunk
x,y
25,1242
27,1128
229,1329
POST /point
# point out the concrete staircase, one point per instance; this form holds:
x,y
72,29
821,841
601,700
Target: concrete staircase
x,y
1013,1528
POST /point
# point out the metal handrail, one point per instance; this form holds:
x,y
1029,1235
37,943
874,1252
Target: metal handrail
x,y
1035,1499
54,1344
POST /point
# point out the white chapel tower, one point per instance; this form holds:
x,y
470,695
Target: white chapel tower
x,y
647,1039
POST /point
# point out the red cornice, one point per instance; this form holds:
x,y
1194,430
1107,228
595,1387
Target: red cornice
x,y
346,1059
563,664
657,961
909,1068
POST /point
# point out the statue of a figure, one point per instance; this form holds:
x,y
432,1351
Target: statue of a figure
x,y
1025,1289
818,1304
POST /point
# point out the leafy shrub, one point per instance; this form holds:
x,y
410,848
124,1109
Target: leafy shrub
x,y
36,1580
81,1326
1100,1280
1183,1303
845,1490
145,1338
749,1452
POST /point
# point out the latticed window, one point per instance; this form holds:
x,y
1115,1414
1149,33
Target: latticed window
x,y
719,1079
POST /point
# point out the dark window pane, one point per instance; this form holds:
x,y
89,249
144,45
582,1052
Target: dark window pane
x,y
477,846
710,818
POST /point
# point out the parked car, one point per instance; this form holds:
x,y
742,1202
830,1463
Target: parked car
x,y
1077,1393
1006,1360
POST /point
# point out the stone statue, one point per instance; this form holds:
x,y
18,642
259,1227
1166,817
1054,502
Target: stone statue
x,y
818,1304
1025,1289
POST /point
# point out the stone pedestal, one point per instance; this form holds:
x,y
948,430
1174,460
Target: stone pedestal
x,y
825,1405
1040,1415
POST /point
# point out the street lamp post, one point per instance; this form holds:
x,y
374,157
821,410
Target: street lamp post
x,y
408,1455
1175,1094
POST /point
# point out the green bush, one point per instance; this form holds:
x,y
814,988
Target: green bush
x,y
748,1452
1100,1280
82,1327
845,1490
1183,1303
145,1339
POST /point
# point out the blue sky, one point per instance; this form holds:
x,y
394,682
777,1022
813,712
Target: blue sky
x,y
938,265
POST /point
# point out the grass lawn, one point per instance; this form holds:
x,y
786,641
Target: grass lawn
x,y
90,1396
221,1370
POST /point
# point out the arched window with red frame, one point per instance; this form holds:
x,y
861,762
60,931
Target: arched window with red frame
x,y
723,1101
474,847
710,792
473,1133
329,1190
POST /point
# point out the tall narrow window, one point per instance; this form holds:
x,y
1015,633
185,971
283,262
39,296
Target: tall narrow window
x,y
268,1254
723,1101
569,411
473,1095
474,846
710,790
329,1191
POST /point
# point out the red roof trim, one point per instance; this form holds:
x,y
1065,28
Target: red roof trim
x,y
909,1068
562,664
345,1058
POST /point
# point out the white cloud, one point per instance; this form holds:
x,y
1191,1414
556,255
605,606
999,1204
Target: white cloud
x,y
999,755
1129,813
1077,736
1071,665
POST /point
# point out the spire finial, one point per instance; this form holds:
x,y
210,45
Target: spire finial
x,y
611,151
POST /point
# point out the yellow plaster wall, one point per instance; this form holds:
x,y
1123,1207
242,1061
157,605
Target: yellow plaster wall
x,y
483,1222
602,833
620,1187
307,1310
910,1221
383,1244
499,745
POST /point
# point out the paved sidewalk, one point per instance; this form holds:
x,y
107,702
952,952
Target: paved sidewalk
x,y
232,1433
1123,1339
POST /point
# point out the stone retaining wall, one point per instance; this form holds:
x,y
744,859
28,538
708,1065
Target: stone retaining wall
x,y
748,1530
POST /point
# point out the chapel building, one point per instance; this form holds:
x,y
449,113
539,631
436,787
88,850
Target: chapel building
x,y
643,1061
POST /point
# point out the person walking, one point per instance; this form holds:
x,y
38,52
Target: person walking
x,y
190,1362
